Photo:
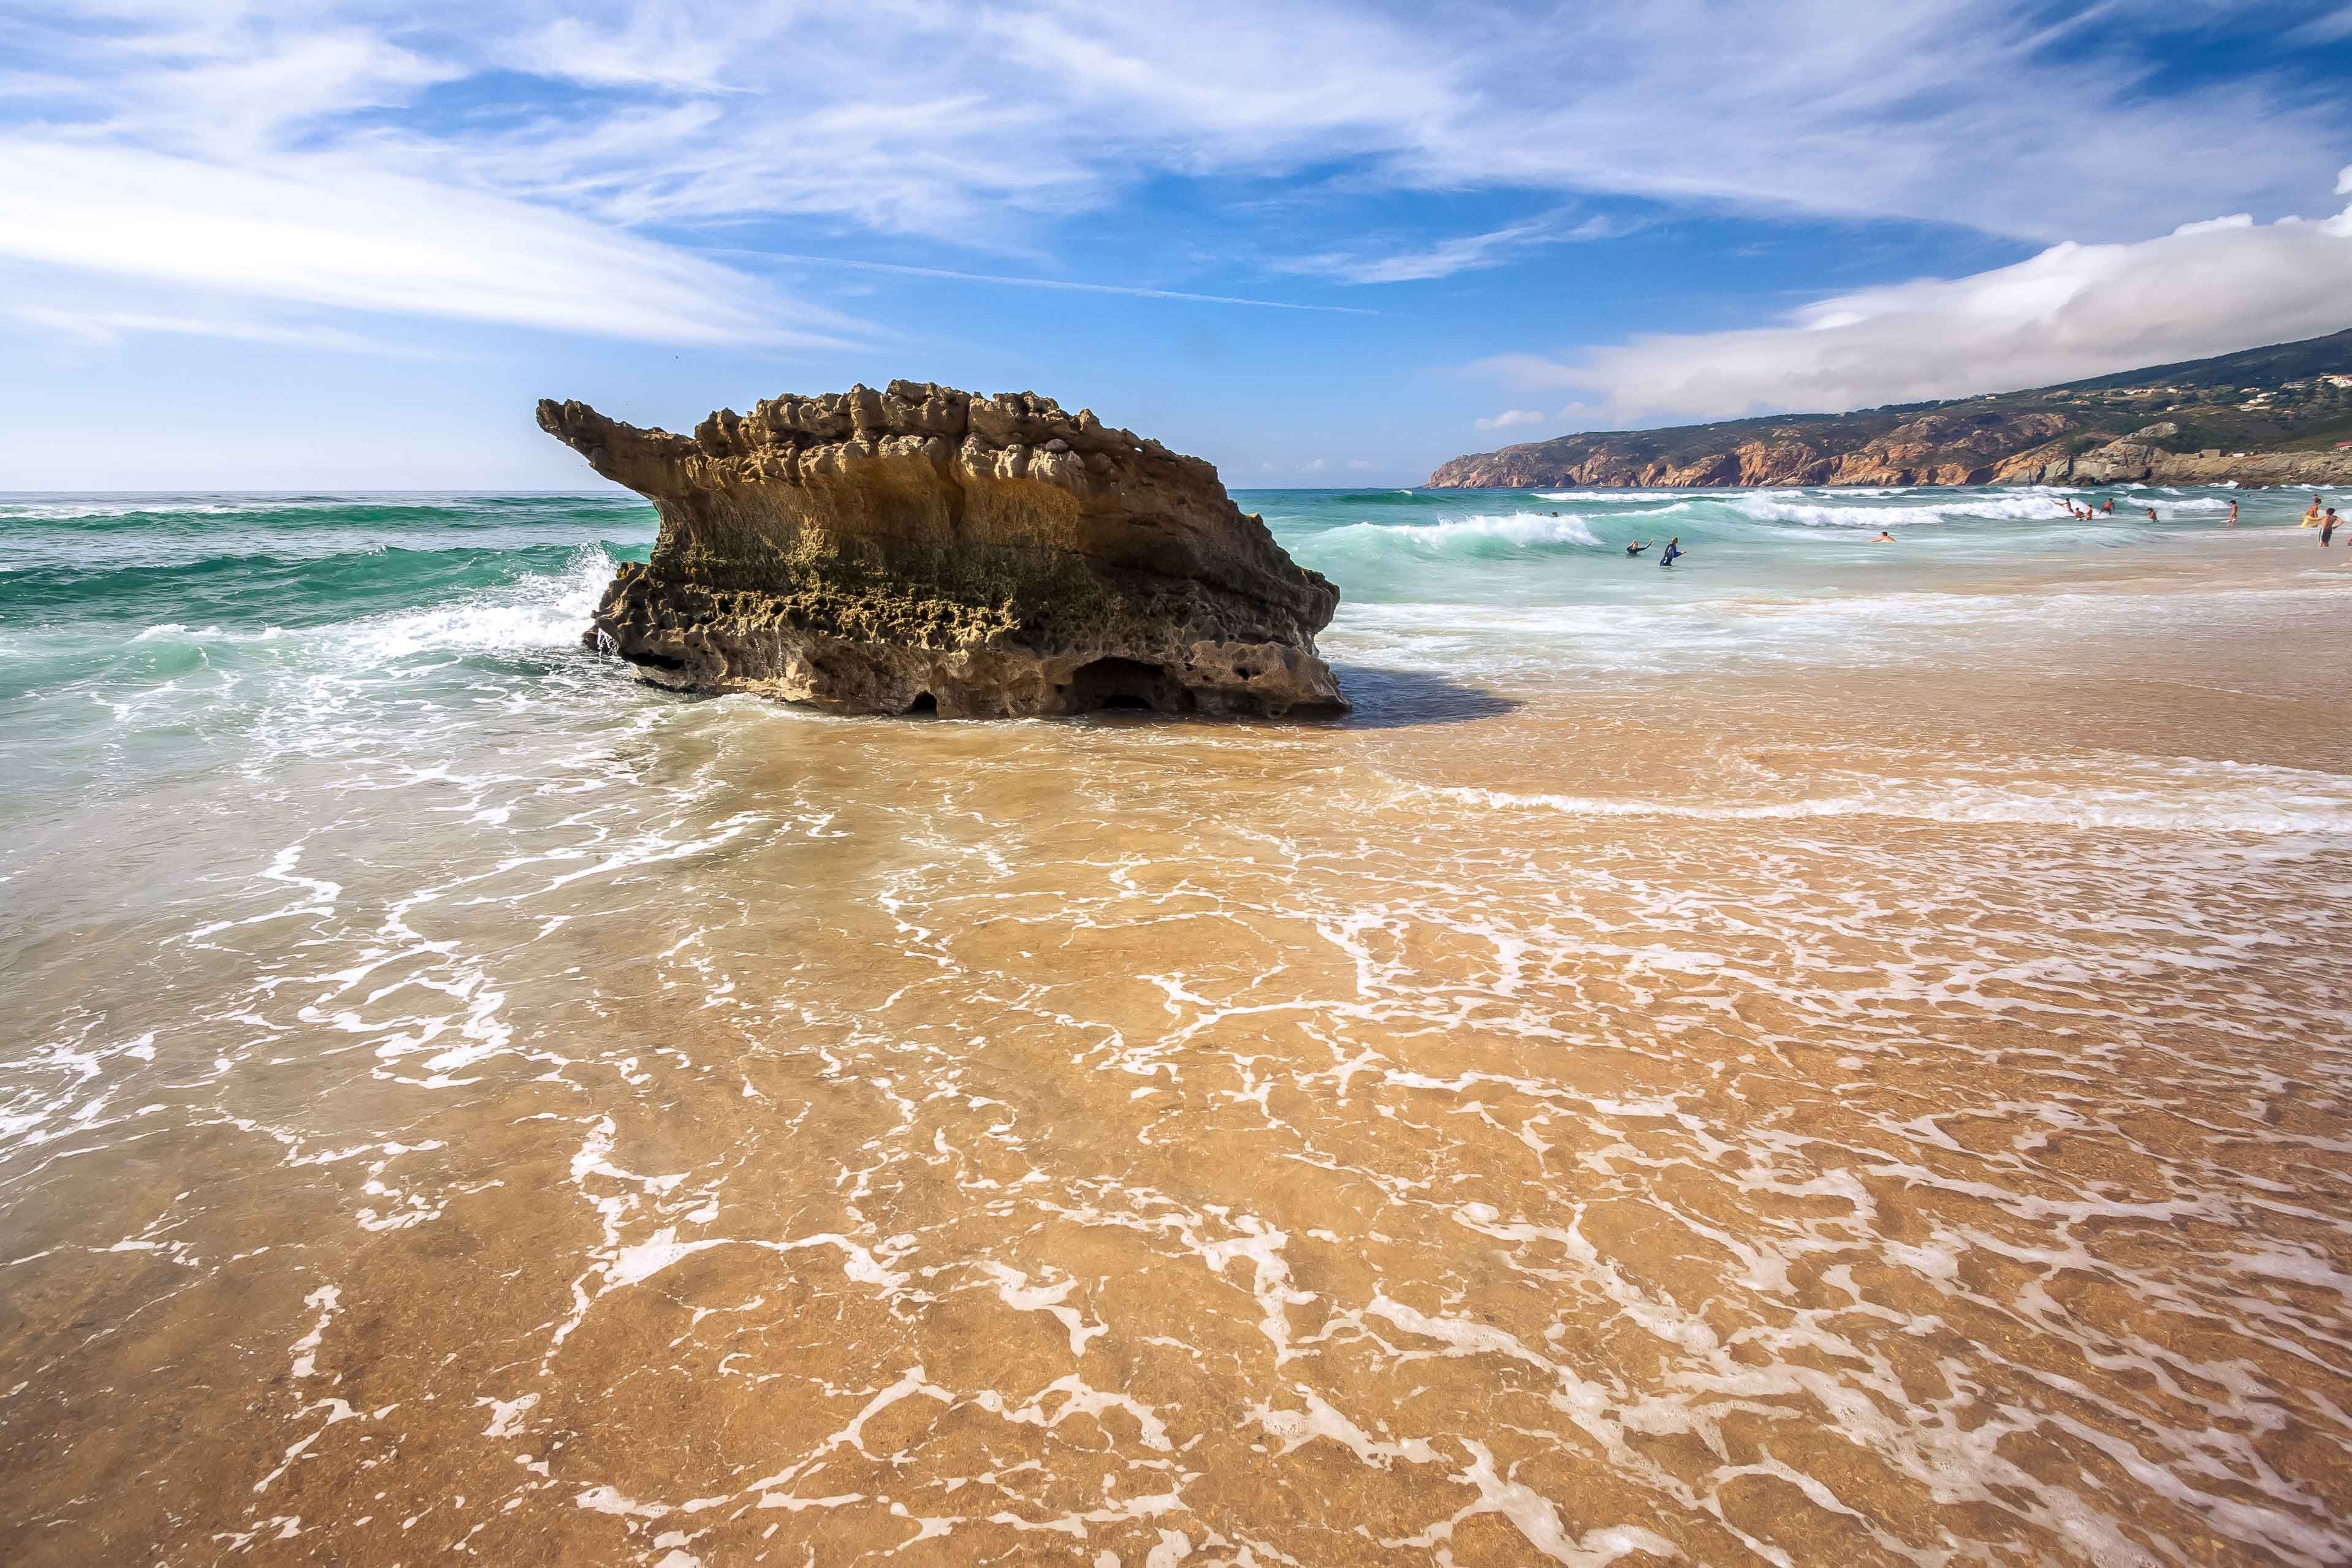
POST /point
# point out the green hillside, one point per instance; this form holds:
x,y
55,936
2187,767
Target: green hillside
x,y
2285,397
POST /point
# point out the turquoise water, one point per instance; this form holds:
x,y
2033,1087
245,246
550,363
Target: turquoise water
x,y
1519,547
146,634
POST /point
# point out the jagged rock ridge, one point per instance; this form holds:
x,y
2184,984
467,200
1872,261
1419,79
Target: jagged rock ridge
x,y
923,549
2268,416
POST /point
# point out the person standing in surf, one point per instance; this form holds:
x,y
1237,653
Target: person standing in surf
x,y
2311,513
2327,527
1674,550
2231,522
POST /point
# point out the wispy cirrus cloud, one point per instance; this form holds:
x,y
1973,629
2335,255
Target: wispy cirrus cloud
x,y
2332,26
1509,418
2071,311
108,327
327,229
1067,284
1462,253
585,155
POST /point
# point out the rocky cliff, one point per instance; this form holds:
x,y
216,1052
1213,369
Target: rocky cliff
x,y
921,548
1962,447
2143,462
2267,415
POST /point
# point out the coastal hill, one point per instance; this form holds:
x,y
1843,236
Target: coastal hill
x,y
2280,414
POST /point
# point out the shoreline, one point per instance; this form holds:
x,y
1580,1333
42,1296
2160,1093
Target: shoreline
x,y
1814,1053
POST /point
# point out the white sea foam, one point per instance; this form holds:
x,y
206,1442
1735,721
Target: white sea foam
x,y
538,612
2196,799
1818,514
2034,506
74,508
1522,528
1618,496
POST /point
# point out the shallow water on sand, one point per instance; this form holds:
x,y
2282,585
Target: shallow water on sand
x,y
1844,1062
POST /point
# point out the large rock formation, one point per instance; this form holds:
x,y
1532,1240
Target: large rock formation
x,y
921,548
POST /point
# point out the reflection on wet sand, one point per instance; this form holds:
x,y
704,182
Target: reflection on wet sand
x,y
1887,1121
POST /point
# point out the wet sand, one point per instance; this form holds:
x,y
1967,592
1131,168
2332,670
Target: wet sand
x,y
1807,1116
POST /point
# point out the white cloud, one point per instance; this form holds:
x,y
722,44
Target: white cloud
x,y
2073,311
334,231
1359,465
2327,28
1465,253
1509,417
105,327
587,141
1065,284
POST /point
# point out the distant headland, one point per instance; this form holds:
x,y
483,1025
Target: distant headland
x,y
2275,416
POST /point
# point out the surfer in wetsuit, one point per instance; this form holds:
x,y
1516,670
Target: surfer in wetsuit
x,y
1673,549
1636,548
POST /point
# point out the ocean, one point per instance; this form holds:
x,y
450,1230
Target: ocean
x,y
1833,1051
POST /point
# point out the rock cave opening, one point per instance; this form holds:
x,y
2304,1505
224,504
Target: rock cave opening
x,y
1114,683
924,706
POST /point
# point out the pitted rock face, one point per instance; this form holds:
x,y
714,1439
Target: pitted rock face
x,y
921,548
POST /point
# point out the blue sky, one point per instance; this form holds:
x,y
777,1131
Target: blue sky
x,y
349,244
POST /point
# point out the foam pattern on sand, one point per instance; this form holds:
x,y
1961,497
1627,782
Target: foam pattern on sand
x,y
1797,1077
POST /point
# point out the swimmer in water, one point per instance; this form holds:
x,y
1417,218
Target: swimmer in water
x,y
2109,510
1636,548
2151,514
1884,538
1673,549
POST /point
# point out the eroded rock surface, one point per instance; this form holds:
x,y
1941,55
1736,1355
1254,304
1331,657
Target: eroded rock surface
x,y
2140,462
921,549
1944,447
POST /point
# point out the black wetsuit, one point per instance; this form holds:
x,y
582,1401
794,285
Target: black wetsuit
x,y
1672,551
1635,549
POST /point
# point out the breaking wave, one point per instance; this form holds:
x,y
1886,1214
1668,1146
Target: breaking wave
x,y
1616,497
2029,507
1518,530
